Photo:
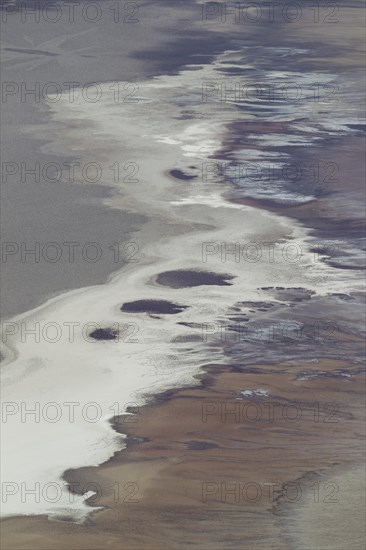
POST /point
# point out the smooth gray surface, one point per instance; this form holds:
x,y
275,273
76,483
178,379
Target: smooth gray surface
x,y
43,212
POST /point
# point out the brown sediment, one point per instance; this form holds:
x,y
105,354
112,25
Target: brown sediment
x,y
205,466
339,522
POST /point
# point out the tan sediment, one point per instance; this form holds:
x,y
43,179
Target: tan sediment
x,y
336,522
164,463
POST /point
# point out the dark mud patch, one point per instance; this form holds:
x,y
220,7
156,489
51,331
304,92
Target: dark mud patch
x,y
291,294
104,334
341,296
196,445
257,306
186,338
189,278
180,175
153,307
